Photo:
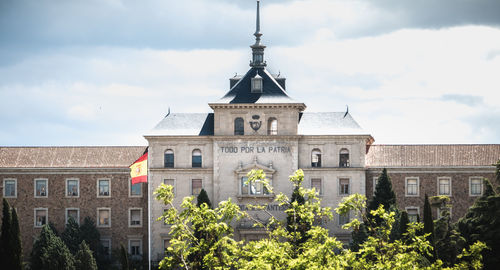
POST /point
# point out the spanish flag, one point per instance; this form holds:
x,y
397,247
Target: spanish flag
x,y
139,170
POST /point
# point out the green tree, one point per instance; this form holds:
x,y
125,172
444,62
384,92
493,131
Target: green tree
x,y
429,225
84,259
91,236
294,223
50,252
71,236
384,194
481,223
6,231
203,198
448,241
124,258
15,243
403,222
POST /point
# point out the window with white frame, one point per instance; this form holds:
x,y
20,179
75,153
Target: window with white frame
x,y
413,213
72,188
135,217
475,186
316,184
41,217
41,188
375,182
252,188
412,186
134,247
103,188
10,188
196,186
170,182
316,158
135,190
106,247
444,186
103,217
73,213
344,219
344,186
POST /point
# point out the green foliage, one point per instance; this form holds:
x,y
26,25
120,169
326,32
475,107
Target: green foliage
x,y
124,258
295,226
10,240
448,242
428,221
403,223
52,226
481,223
277,251
384,195
71,236
91,236
50,252
84,259
203,198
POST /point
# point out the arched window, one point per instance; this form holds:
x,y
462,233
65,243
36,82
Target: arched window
x,y
239,126
169,158
316,158
344,158
196,158
272,126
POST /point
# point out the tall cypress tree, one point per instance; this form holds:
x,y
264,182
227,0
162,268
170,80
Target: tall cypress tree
x,y
403,223
6,231
124,258
72,236
15,243
203,198
384,194
429,224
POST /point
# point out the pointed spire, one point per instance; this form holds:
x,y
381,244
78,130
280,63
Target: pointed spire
x,y
257,48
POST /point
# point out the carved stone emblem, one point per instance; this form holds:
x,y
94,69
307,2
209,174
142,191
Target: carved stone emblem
x,y
256,123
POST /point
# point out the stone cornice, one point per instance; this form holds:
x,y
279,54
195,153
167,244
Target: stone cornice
x,y
183,170
338,169
59,170
300,106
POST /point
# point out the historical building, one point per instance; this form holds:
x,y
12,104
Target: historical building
x,y
255,125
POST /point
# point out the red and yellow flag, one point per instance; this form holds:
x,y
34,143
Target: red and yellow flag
x,y
139,170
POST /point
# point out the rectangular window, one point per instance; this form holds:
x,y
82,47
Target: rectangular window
x,y
72,188
135,247
344,186
444,186
196,185
316,184
344,219
73,213
412,214
41,217
10,188
411,186
41,188
103,217
106,247
253,188
475,186
135,217
135,190
166,244
103,188
375,182
170,182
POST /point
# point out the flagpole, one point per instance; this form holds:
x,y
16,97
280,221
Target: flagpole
x,y
149,220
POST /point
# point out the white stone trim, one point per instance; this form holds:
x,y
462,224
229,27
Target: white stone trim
x,y
338,186
66,215
46,216
130,247
449,182
406,186
66,187
99,220
46,187
110,245
15,187
109,187
413,207
470,185
130,225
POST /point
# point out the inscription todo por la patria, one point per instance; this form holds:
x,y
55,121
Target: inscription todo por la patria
x,y
251,149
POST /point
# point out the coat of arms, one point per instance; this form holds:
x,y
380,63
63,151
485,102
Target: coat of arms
x,y
256,123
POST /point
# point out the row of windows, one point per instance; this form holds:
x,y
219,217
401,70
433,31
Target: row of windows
x,y
196,158
343,158
414,213
41,217
41,188
134,246
272,126
412,186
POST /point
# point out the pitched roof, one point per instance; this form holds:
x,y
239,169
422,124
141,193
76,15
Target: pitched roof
x,y
432,155
272,91
185,124
70,157
328,123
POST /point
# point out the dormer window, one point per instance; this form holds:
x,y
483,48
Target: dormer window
x,y
257,84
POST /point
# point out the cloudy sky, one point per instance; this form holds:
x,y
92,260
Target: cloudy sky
x,y
104,72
